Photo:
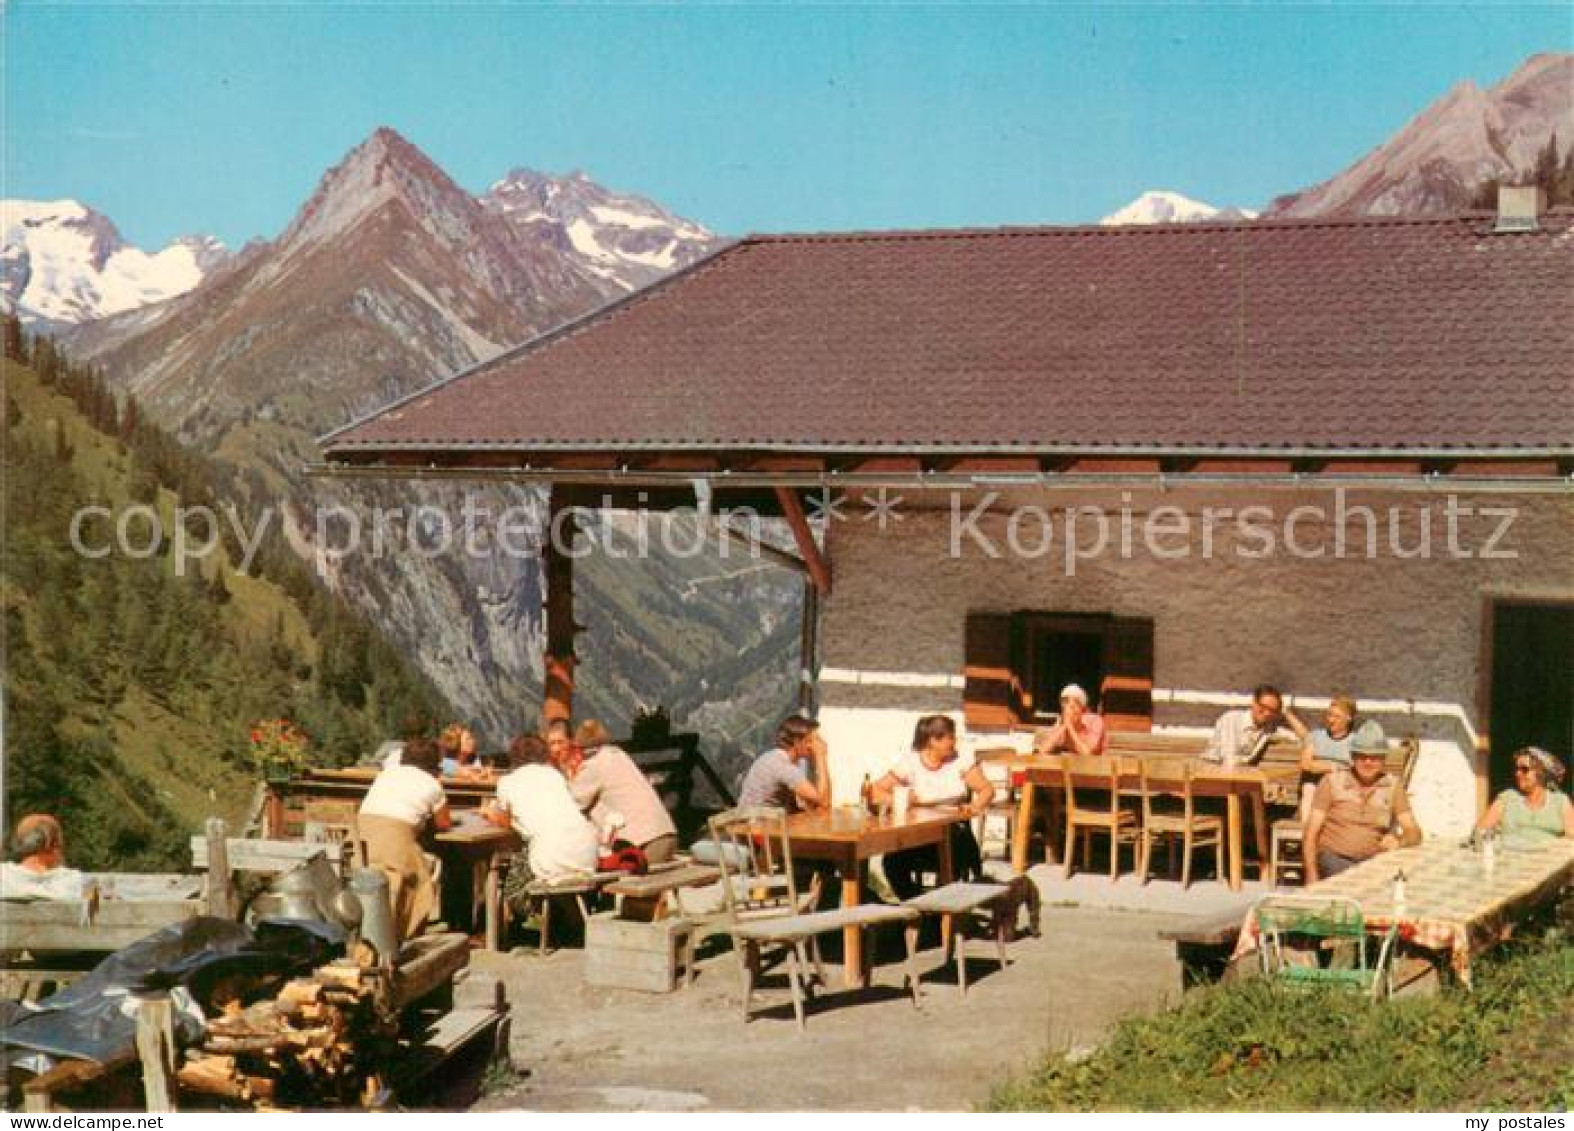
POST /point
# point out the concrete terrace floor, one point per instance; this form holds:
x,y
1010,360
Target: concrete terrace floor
x,y
592,1049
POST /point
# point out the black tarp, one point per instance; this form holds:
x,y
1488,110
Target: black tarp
x,y
201,963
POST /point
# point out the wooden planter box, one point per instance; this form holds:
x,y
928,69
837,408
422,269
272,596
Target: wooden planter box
x,y
629,955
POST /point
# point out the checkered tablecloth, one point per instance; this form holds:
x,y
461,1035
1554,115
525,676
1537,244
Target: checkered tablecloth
x,y
1453,903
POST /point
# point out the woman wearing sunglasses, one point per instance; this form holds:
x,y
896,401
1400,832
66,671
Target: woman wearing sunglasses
x,y
1535,810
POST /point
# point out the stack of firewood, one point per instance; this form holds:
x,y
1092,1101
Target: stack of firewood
x,y
323,1040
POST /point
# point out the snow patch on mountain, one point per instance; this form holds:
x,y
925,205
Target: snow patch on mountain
x,y
63,263
626,240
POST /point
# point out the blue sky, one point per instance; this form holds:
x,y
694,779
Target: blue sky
x,y
222,118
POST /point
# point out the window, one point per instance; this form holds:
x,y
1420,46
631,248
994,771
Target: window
x,y
1016,664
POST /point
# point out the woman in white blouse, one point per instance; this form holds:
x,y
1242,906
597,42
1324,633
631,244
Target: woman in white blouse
x,y
403,798
938,774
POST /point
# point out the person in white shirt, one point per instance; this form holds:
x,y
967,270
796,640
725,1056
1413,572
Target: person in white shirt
x,y
1240,737
39,871
534,799
401,801
938,774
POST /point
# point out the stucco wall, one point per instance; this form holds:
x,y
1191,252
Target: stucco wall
x,y
1404,636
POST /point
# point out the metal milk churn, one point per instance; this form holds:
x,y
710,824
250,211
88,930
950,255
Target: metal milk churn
x,y
377,922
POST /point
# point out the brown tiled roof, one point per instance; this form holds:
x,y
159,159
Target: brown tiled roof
x,y
1415,335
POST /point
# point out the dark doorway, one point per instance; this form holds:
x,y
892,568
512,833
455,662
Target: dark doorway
x,y
1532,687
1067,656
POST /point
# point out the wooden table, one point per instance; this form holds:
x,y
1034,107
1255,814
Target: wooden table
x,y
484,847
1209,779
1452,904
847,838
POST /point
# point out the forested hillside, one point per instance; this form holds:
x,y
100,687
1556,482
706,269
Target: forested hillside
x,y
130,692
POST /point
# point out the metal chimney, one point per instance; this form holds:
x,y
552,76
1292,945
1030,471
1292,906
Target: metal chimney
x,y
1519,208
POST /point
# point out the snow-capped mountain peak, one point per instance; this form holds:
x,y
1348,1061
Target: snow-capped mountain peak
x,y
62,262
1159,206
625,240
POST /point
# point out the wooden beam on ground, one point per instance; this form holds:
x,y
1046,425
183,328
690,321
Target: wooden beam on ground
x,y
809,550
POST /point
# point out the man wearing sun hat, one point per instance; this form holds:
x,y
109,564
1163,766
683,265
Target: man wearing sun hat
x,y
1359,811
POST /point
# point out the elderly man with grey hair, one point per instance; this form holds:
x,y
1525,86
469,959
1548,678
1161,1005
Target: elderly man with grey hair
x,y
1079,731
39,870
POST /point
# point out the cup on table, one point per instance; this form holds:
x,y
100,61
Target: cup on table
x,y
901,801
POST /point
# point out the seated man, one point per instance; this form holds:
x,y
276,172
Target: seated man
x,y
1079,730
607,779
39,871
1241,737
1356,812
778,778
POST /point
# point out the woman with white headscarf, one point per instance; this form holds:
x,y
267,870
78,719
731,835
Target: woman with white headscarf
x,y
1079,730
1534,810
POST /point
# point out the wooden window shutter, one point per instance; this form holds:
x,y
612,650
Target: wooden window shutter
x,y
990,690
1126,696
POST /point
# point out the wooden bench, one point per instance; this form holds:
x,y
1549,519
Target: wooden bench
x,y
541,894
646,897
1204,944
956,904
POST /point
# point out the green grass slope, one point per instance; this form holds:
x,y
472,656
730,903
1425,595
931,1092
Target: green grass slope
x,y
130,690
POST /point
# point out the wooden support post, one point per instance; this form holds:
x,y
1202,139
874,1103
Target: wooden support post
x,y
808,647
809,550
156,1050
273,813
221,887
558,571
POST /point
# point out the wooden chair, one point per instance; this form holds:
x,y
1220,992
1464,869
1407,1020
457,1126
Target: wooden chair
x,y
1161,818
995,762
763,908
1084,812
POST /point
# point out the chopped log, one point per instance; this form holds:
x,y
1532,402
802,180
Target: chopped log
x,y
213,1076
301,991
342,977
232,1045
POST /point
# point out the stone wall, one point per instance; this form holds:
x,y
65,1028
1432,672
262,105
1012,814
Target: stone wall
x,y
1402,634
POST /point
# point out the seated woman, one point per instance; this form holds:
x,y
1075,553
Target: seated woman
x,y
39,871
401,801
938,775
1079,730
534,799
1534,810
1328,747
458,748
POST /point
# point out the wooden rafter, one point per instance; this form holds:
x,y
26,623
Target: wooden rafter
x,y
819,569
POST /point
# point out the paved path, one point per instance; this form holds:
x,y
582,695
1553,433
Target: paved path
x,y
596,1049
